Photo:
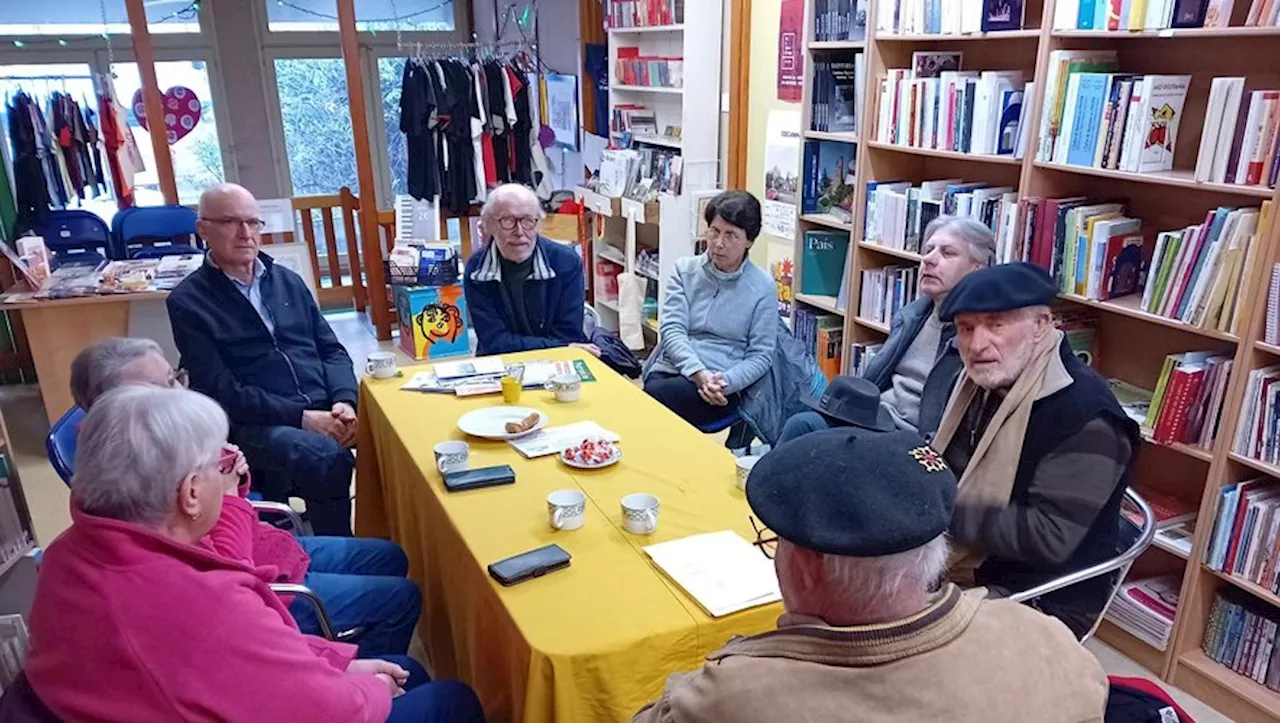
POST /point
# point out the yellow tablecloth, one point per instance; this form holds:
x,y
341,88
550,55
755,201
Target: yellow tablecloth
x,y
593,642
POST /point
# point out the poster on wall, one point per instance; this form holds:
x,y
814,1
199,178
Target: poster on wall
x,y
781,173
791,51
562,108
782,269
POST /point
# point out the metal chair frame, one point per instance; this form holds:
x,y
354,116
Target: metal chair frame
x,y
1122,563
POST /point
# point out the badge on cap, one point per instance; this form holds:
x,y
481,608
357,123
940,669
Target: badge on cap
x,y
929,459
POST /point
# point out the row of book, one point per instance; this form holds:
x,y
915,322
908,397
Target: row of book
x,y
1186,406
825,254
1246,533
829,185
835,20
897,212
860,356
1146,609
634,119
823,337
640,173
1157,14
1241,634
1175,518
886,290
838,94
1258,431
948,17
936,105
1271,327
1235,147
643,13
632,68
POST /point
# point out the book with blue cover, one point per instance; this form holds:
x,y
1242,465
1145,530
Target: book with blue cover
x,y
822,266
1089,104
1000,15
1010,114
829,183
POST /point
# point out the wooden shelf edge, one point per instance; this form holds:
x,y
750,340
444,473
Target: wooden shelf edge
x,y
1167,33
1173,179
929,37
897,253
1224,689
1257,464
826,303
1268,348
823,219
1137,313
1189,450
839,137
873,325
837,45
1248,586
956,155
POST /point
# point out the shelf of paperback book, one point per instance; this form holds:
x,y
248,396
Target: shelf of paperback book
x,y
819,301
1131,306
826,219
1167,33
935,153
1248,586
826,136
1216,684
1268,348
647,29
647,89
939,37
1257,464
1177,179
897,253
873,325
837,45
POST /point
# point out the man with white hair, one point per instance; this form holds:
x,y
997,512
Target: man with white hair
x,y
1043,450
917,366
254,340
523,291
858,521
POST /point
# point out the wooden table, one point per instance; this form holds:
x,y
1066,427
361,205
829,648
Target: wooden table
x,y
593,642
59,329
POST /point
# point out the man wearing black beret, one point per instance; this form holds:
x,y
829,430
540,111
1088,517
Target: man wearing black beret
x,y
1043,450
858,522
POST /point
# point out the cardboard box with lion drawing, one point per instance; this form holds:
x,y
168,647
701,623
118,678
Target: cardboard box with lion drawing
x,y
432,321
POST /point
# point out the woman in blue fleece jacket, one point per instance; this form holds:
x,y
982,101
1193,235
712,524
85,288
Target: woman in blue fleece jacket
x,y
719,318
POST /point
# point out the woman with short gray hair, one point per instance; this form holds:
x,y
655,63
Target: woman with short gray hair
x,y
152,589
918,364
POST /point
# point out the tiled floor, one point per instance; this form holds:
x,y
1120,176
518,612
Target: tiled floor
x,y
47,495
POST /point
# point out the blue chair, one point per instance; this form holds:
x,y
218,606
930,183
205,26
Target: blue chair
x,y
77,237
61,442
721,424
155,231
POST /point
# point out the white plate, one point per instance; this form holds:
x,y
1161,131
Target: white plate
x,y
490,422
574,463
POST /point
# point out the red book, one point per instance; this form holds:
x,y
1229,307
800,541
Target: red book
x,y
1247,489
1169,407
1190,392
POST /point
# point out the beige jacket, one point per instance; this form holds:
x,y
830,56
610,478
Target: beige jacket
x,y
964,658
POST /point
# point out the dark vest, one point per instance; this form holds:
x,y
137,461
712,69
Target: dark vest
x,y
1053,419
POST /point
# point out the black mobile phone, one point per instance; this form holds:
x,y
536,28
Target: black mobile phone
x,y
528,565
470,479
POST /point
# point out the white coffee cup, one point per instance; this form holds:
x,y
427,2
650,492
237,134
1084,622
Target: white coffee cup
x,y
567,509
381,364
568,387
452,456
745,464
640,513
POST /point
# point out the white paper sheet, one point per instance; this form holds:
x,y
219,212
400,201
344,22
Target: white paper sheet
x,y
554,440
721,571
277,215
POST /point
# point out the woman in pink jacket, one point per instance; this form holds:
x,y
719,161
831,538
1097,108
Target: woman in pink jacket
x,y
149,607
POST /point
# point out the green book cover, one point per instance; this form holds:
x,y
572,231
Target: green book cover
x,y
1170,259
1171,362
822,266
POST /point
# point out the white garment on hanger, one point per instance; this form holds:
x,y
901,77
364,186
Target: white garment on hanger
x,y
544,188
506,95
477,131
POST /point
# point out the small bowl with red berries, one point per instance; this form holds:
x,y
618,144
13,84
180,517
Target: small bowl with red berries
x,y
591,454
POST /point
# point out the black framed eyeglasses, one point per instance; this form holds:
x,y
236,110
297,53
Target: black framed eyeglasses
x,y
765,540
508,223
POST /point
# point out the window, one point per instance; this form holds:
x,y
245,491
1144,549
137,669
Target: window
x,y
197,156
84,17
317,124
390,71
376,15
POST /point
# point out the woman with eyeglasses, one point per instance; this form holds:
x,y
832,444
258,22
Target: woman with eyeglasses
x,y
523,291
149,608
719,320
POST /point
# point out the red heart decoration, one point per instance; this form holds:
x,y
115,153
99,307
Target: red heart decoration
x,y
181,112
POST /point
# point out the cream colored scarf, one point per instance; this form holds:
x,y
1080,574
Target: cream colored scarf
x,y
988,478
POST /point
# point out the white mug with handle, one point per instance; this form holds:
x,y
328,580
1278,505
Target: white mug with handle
x,y
567,509
452,456
640,513
381,364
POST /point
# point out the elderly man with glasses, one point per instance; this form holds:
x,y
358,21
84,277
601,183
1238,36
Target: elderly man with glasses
x,y
253,339
523,291
858,524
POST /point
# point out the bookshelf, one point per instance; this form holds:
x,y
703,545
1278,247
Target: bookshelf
x,y
1131,343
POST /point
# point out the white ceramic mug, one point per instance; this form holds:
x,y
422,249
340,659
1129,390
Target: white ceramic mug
x,y
567,509
745,464
381,364
640,513
452,456
568,387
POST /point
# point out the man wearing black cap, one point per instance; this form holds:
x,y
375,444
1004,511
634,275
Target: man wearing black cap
x,y
858,523
1043,450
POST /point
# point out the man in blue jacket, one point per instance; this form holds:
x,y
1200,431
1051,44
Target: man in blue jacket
x,y
523,291
918,365
252,338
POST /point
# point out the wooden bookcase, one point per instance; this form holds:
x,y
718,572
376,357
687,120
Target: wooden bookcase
x,y
1131,343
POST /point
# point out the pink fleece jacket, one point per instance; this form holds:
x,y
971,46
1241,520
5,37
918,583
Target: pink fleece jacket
x,y
128,625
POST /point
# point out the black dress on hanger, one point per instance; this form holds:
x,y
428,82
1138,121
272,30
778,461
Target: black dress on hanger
x,y
417,103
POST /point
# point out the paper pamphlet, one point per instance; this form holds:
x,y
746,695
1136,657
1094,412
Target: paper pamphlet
x,y
554,440
721,571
